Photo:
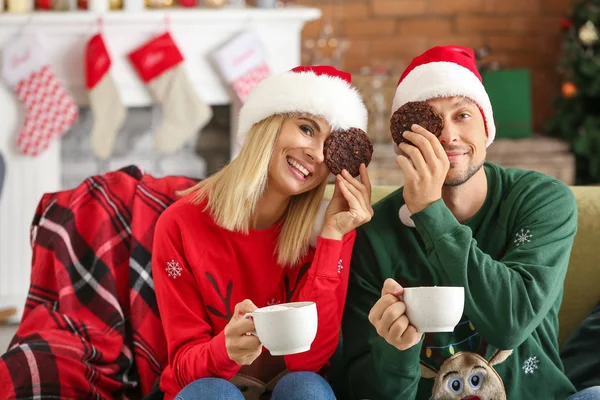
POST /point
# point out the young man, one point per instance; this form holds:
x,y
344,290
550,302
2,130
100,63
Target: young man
x,y
505,235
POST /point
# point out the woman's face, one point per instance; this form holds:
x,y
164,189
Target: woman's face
x,y
297,164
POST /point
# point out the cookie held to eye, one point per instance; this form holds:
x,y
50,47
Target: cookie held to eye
x,y
347,150
415,112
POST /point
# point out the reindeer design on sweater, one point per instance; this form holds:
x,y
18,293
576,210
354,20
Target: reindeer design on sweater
x,y
468,376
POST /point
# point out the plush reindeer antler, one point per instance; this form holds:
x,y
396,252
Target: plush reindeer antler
x,y
289,292
499,356
225,299
428,372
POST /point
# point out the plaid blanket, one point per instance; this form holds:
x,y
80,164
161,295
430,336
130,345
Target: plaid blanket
x,y
91,327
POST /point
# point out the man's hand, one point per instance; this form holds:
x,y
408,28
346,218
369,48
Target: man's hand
x,y
425,166
242,347
389,318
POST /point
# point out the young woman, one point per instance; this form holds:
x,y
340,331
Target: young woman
x,y
240,240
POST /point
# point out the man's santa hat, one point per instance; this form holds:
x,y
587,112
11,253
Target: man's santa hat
x,y
321,91
445,71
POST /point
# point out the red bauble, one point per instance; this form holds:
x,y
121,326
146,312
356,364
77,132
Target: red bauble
x,y
566,23
569,89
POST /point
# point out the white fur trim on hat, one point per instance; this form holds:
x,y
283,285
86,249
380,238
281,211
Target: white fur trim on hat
x,y
331,98
445,79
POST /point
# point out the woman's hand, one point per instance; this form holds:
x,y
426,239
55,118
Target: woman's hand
x,y
350,205
242,347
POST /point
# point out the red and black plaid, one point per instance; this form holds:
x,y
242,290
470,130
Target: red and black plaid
x,y
91,327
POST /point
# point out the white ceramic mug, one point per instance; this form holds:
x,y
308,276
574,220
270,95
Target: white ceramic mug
x,y
434,308
288,328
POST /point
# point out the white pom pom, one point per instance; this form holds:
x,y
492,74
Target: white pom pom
x,y
319,222
405,216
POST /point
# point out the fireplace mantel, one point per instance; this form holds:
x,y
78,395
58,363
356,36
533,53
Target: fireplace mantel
x,y
63,36
196,31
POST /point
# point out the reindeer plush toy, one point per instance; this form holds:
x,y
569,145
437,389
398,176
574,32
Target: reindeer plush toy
x,y
468,376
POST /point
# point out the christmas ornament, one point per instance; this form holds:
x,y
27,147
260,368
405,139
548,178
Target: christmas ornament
x,y
159,3
134,5
18,6
57,5
160,65
105,102
50,110
188,3
569,89
588,34
566,23
39,5
98,6
215,3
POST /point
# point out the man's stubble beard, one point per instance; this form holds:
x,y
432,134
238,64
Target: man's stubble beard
x,y
464,177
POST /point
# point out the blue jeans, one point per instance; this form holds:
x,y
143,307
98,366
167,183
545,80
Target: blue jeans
x,y
293,386
591,393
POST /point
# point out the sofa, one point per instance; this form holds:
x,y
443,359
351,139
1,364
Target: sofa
x,y
91,323
582,291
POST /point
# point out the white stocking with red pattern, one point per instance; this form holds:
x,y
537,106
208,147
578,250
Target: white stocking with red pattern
x,y
242,62
50,110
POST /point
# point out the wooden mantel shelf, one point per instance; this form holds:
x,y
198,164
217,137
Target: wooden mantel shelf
x,y
157,16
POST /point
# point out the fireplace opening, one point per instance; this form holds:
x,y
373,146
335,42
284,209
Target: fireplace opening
x,y
204,154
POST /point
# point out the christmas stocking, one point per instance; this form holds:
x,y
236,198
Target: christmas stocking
x,y
160,65
105,103
50,110
242,62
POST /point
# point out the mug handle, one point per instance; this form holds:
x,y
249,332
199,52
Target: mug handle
x,y
250,316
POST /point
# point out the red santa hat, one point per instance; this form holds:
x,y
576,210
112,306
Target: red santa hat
x,y
322,91
445,71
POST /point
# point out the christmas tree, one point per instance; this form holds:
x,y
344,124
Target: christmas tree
x,y
577,118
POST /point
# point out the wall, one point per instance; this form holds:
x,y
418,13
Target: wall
x,y
520,34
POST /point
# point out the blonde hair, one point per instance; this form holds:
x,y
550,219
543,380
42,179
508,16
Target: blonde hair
x,y
233,193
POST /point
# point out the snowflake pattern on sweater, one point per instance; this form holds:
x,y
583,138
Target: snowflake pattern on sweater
x,y
173,269
530,365
522,237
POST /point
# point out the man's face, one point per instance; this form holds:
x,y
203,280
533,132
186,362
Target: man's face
x,y
463,137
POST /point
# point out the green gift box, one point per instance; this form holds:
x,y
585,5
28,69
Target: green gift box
x,y
510,95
